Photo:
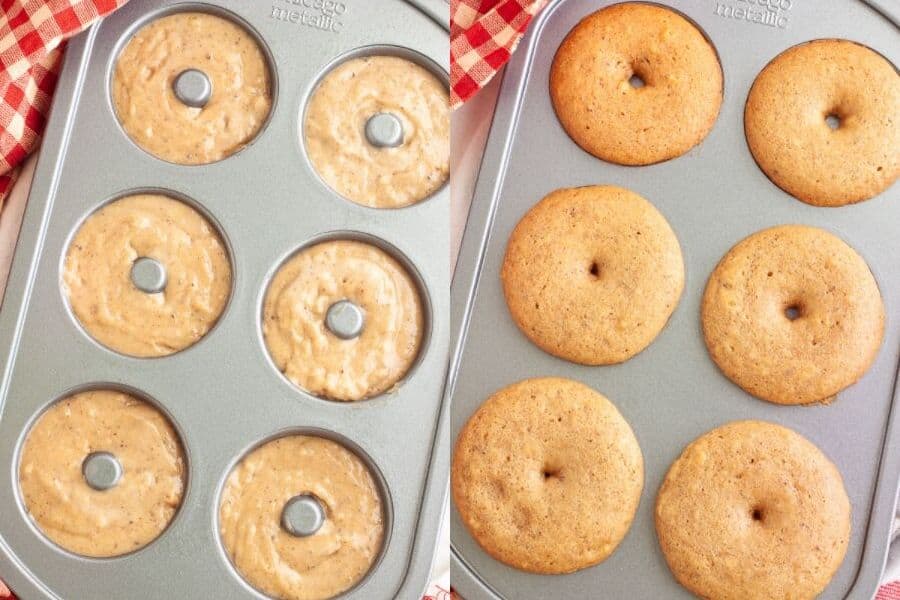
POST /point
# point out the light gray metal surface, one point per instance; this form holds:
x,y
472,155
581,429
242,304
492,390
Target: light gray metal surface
x,y
223,394
193,88
384,130
149,275
303,515
345,319
102,470
672,392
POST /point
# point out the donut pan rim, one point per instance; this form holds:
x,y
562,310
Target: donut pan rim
x,y
44,352
706,195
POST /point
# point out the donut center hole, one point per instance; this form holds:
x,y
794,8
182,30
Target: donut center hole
x,y
148,275
550,473
595,270
757,514
636,81
833,121
793,311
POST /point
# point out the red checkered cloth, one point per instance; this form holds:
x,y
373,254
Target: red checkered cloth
x,y
483,35
890,591
32,33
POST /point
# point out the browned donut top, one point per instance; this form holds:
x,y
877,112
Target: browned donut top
x,y
613,120
793,315
547,476
753,511
787,129
592,274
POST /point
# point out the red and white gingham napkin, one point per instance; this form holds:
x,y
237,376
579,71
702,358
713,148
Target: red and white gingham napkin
x,y
890,591
32,33
483,35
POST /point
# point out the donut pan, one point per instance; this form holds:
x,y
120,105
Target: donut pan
x,y
672,392
223,394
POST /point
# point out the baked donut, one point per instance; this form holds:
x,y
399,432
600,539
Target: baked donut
x,y
678,93
99,275
793,315
821,122
375,288
137,506
315,564
547,476
753,511
411,163
157,120
592,274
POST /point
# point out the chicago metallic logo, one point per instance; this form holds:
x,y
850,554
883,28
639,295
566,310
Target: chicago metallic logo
x,y
772,13
319,14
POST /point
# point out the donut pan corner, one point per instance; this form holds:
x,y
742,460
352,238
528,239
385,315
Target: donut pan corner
x,y
671,393
223,394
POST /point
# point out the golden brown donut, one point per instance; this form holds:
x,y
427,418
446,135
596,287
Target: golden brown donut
x,y
793,315
791,140
753,511
547,476
592,274
608,117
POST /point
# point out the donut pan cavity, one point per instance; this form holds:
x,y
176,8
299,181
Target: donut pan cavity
x,y
222,394
672,392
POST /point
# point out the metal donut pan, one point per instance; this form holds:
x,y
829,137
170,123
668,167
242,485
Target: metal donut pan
x,y
223,394
672,392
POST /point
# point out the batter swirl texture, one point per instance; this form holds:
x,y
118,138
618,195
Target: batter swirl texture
x,y
98,283
153,116
318,566
314,358
381,177
125,517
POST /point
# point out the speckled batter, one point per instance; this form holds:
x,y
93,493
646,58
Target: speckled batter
x,y
316,567
335,131
317,360
97,275
121,519
158,121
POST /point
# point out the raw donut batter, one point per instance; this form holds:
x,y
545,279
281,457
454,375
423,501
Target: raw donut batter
x,y
381,177
316,359
104,298
160,123
318,566
119,520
